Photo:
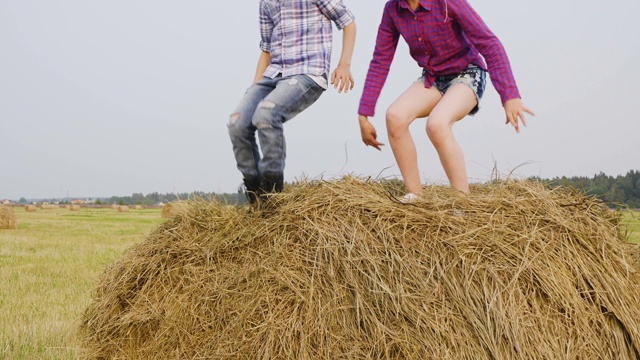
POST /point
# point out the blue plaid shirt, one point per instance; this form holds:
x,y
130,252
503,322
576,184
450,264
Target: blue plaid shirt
x,y
298,35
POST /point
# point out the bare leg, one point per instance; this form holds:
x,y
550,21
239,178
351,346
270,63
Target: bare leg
x,y
416,102
457,102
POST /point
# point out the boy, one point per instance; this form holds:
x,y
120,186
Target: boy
x,y
292,73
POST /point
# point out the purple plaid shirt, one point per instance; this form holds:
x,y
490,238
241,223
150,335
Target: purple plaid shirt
x,y
298,34
444,36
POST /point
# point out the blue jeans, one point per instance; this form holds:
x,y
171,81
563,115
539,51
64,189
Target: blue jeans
x,y
265,107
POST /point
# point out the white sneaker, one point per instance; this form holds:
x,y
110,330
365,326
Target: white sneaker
x,y
409,198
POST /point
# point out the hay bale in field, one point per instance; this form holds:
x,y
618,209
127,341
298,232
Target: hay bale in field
x,y
7,218
30,208
74,207
171,209
137,207
114,206
341,270
123,209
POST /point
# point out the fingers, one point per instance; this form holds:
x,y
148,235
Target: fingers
x,y
513,120
342,82
375,144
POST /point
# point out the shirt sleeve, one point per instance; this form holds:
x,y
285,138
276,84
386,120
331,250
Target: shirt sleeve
x,y
386,45
489,47
266,29
336,11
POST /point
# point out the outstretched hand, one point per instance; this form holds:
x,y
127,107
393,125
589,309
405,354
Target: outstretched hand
x,y
368,132
515,109
341,78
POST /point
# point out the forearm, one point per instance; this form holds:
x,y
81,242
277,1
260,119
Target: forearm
x,y
263,62
348,44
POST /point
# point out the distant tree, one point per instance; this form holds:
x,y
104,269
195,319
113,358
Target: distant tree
x,y
98,202
22,201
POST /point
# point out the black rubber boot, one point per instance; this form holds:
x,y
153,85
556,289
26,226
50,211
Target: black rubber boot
x,y
252,189
271,183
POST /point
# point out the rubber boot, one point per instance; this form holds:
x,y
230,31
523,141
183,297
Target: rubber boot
x,y
271,183
252,189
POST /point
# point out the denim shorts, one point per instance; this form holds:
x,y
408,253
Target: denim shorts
x,y
472,76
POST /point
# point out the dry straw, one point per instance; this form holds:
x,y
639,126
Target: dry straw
x,y
341,270
170,210
7,218
74,207
30,208
123,209
137,207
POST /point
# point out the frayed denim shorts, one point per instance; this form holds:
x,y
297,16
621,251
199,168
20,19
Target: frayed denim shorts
x,y
473,76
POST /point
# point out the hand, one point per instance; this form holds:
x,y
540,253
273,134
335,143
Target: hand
x,y
341,78
368,132
515,109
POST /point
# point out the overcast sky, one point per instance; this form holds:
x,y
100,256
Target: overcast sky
x,y
102,98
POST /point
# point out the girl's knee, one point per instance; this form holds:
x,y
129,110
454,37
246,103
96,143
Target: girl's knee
x,y
397,121
438,129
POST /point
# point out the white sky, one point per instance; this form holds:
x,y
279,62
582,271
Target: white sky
x,y
102,98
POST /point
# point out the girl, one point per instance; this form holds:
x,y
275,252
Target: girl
x,y
447,39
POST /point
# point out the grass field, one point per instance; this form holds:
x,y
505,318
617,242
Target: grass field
x,y
50,264
48,267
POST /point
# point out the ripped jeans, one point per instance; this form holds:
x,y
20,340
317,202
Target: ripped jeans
x,y
265,107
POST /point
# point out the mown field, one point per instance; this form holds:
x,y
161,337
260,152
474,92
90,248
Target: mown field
x,y
50,264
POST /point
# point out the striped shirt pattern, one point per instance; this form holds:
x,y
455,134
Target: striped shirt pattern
x,y
298,35
444,36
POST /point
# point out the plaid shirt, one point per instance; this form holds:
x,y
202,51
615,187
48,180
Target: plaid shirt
x,y
298,34
444,36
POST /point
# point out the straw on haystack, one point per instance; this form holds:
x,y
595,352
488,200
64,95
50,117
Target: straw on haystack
x,y
7,218
74,207
340,270
137,207
30,208
123,209
171,209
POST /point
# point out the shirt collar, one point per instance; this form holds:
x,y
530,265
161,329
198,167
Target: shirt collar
x,y
426,4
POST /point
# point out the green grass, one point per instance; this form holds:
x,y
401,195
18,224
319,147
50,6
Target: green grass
x,y
50,264
48,267
631,220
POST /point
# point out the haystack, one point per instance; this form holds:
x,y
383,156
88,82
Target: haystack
x,y
137,207
30,208
7,218
123,209
114,206
172,209
74,207
341,270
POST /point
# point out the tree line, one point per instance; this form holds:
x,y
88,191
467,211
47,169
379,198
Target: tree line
x,y
614,191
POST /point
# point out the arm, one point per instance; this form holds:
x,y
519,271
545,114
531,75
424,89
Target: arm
x,y
386,44
341,78
497,60
336,11
263,62
266,30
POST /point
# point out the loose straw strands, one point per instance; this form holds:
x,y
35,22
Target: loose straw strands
x,y
342,270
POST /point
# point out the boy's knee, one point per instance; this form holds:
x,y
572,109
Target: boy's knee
x,y
236,130
265,115
233,120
